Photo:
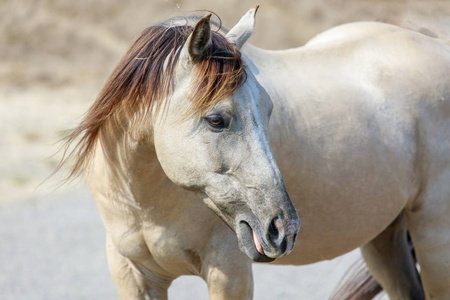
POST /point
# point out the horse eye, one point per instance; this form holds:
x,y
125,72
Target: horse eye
x,y
215,121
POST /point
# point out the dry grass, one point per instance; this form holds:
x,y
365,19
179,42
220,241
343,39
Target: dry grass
x,y
63,42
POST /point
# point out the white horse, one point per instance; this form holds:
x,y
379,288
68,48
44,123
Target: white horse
x,y
359,129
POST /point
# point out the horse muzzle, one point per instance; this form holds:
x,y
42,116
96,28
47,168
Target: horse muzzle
x,y
266,243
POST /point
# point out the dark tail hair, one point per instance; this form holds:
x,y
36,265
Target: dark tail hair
x,y
357,284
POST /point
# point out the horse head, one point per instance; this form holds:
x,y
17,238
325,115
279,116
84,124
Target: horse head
x,y
212,138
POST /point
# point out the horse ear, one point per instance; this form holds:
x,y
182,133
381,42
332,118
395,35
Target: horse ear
x,y
197,41
243,30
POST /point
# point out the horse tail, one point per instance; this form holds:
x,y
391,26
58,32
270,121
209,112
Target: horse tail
x,y
357,284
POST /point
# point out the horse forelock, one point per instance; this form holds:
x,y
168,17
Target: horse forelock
x,y
142,82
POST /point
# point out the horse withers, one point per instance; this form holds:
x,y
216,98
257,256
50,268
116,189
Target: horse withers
x,y
359,128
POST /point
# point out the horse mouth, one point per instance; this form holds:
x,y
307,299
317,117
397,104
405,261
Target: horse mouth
x,y
250,244
257,243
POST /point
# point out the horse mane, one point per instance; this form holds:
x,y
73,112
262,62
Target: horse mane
x,y
142,81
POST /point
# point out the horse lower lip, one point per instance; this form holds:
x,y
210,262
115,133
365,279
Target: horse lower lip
x,y
248,245
258,246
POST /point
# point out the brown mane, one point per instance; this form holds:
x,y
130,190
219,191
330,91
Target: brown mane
x,y
142,81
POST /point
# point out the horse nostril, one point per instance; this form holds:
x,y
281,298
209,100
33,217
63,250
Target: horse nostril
x,y
282,234
276,233
283,245
273,230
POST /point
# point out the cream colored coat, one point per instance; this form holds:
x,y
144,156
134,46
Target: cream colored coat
x,y
360,130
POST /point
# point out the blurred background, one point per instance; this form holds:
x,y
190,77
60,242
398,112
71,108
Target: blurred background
x,y
55,56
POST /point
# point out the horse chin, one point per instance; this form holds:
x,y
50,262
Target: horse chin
x,y
247,245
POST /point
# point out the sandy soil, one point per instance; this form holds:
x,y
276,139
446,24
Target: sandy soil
x,y
54,58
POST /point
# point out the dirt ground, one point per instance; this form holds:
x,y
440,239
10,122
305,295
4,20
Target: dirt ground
x,y
55,56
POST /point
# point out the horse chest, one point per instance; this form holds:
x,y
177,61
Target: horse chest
x,y
131,244
159,249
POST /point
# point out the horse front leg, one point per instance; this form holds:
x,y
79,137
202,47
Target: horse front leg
x,y
226,270
224,283
132,281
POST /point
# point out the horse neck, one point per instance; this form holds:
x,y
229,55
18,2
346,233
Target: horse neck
x,y
131,169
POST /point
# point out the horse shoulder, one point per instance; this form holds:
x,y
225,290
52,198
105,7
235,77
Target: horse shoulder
x,y
138,230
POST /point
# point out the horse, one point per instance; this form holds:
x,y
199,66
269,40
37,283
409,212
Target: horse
x,y
191,178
